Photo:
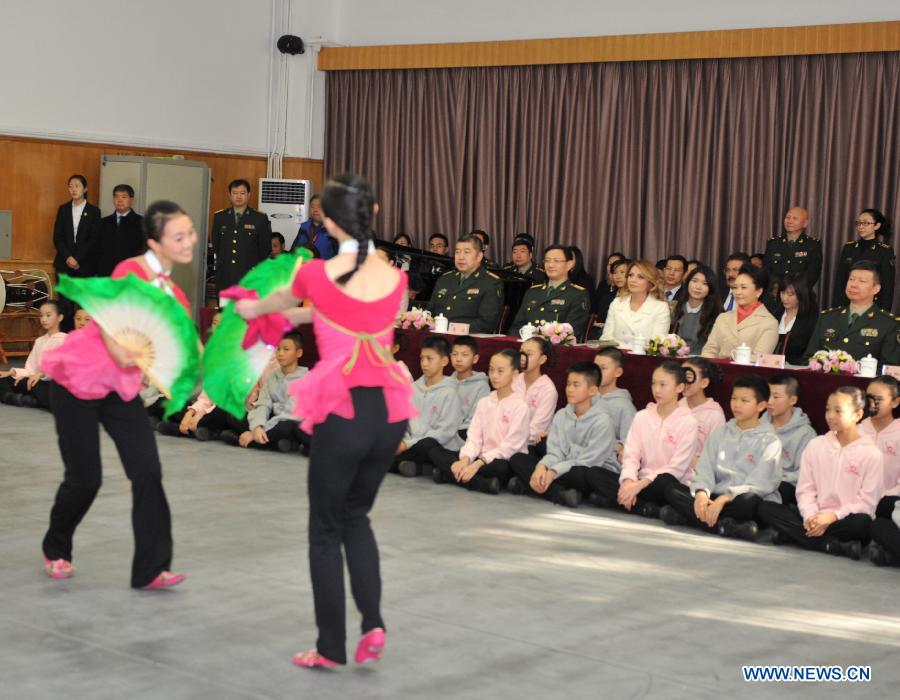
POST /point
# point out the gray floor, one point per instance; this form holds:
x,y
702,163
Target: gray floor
x,y
484,597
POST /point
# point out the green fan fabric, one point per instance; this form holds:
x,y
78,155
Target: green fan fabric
x,y
143,318
229,372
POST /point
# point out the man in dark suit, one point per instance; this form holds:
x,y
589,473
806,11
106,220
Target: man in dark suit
x,y
121,235
241,236
76,243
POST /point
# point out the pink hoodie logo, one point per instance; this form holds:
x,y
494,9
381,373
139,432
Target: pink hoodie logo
x,y
670,439
504,419
532,402
891,450
853,470
751,458
785,453
434,408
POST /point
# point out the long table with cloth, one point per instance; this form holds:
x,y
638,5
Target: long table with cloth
x,y
814,386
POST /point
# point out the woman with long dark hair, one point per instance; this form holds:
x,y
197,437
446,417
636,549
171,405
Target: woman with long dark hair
x,y
797,320
355,402
696,315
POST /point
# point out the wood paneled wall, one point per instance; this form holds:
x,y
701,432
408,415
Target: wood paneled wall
x,y
36,172
733,43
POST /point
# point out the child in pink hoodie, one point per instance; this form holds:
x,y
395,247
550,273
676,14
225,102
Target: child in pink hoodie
x,y
27,386
884,431
539,392
699,374
840,483
499,429
659,450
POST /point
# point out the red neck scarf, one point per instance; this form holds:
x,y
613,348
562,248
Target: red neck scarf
x,y
743,314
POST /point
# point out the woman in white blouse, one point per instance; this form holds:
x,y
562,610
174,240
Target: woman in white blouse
x,y
749,324
641,312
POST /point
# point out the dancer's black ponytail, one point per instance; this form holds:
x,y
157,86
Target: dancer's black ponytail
x,y
349,201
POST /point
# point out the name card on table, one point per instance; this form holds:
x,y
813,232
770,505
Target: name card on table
x,y
458,329
773,361
892,371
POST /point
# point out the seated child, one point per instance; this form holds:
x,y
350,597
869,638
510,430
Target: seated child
x,y
840,483
581,436
539,392
615,401
659,450
738,469
472,386
884,549
277,245
699,373
792,427
81,319
271,421
27,386
884,430
499,429
439,408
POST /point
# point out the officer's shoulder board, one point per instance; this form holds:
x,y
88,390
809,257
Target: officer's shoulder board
x,y
448,273
536,286
852,241
812,238
828,311
218,212
491,274
882,244
887,314
578,287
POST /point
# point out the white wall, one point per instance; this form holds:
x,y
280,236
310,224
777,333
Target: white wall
x,y
194,74
173,73
362,22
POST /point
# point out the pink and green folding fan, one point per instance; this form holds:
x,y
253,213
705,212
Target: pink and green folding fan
x,y
150,323
234,359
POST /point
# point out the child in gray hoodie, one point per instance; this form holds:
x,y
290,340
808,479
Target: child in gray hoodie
x,y
439,408
472,386
271,420
738,469
615,401
793,428
581,436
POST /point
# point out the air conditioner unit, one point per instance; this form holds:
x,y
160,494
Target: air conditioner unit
x,y
286,203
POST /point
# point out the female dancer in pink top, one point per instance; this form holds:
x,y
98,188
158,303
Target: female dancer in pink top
x,y
95,382
356,402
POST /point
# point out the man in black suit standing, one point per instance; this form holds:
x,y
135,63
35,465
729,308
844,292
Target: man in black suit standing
x,y
121,236
241,236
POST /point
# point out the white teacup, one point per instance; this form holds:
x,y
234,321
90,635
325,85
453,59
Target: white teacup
x,y
527,331
741,355
868,366
637,346
441,323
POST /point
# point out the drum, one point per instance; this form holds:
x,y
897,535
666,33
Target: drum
x,y
24,290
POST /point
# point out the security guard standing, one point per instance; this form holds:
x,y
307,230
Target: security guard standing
x,y
860,328
794,251
559,299
869,224
470,293
242,237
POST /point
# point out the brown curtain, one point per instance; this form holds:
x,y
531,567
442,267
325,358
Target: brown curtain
x,y
699,157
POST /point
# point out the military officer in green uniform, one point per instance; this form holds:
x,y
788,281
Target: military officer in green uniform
x,y
558,299
869,224
241,236
523,260
860,328
469,294
794,251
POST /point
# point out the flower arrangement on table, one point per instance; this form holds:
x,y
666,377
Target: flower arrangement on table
x,y
833,362
556,333
671,345
416,319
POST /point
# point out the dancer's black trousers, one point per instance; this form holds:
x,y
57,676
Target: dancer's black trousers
x,y
78,428
347,463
